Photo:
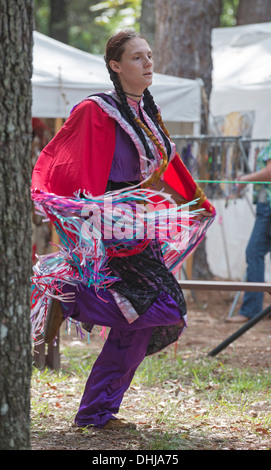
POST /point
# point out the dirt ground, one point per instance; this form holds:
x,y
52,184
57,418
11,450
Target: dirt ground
x,y
206,330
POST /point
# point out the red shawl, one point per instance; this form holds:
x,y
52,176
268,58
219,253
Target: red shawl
x,y
80,156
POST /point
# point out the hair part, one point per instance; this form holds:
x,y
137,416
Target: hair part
x,y
116,45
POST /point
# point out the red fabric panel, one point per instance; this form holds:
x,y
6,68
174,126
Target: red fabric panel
x,y
179,178
80,156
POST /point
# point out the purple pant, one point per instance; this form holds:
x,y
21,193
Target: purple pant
x,y
123,351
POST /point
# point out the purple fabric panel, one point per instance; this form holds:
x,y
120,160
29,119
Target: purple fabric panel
x,y
101,309
123,351
111,376
125,165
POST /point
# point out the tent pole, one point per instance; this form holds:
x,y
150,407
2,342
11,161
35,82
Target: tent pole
x,y
241,331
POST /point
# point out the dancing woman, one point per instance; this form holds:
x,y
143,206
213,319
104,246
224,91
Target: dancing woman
x,y
112,142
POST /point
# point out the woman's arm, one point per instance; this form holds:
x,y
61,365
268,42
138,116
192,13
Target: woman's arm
x,y
261,175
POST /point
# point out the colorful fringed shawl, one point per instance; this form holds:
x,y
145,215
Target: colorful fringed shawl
x,y
68,186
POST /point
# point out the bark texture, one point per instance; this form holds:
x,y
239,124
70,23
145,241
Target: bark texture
x,y
58,27
147,21
183,49
253,11
183,38
15,235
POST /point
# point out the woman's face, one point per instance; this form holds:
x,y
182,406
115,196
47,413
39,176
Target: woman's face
x,y
135,68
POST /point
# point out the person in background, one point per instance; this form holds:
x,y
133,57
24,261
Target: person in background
x,y
259,243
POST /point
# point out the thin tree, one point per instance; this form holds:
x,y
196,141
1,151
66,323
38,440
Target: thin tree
x,y
253,11
147,21
58,25
183,48
15,234
183,39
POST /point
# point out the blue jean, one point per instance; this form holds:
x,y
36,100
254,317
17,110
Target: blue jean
x,y
258,246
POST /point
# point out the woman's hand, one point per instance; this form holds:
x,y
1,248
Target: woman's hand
x,y
203,213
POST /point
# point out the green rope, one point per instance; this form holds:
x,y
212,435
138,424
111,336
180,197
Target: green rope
x,y
232,182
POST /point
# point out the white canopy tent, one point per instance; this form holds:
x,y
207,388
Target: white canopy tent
x,y
242,74
241,86
63,76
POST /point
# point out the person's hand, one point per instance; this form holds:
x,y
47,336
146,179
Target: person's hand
x,y
202,214
240,187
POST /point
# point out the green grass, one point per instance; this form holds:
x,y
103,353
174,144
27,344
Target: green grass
x,y
182,402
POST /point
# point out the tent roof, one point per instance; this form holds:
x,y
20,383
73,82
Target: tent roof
x,y
63,76
242,74
242,56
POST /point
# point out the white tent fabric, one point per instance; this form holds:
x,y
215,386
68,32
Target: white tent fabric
x,y
241,83
242,74
63,76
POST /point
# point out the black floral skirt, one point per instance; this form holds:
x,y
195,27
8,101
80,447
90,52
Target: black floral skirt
x,y
143,277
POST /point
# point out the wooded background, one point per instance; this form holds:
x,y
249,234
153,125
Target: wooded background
x,y
87,24
179,32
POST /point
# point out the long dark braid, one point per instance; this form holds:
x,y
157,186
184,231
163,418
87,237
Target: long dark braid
x,y
156,117
126,110
114,50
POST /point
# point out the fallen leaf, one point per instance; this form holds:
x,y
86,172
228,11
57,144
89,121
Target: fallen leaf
x,y
262,430
51,386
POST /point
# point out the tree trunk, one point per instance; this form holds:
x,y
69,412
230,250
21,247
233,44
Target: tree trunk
x,y
183,49
253,11
183,38
147,21
15,235
58,28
